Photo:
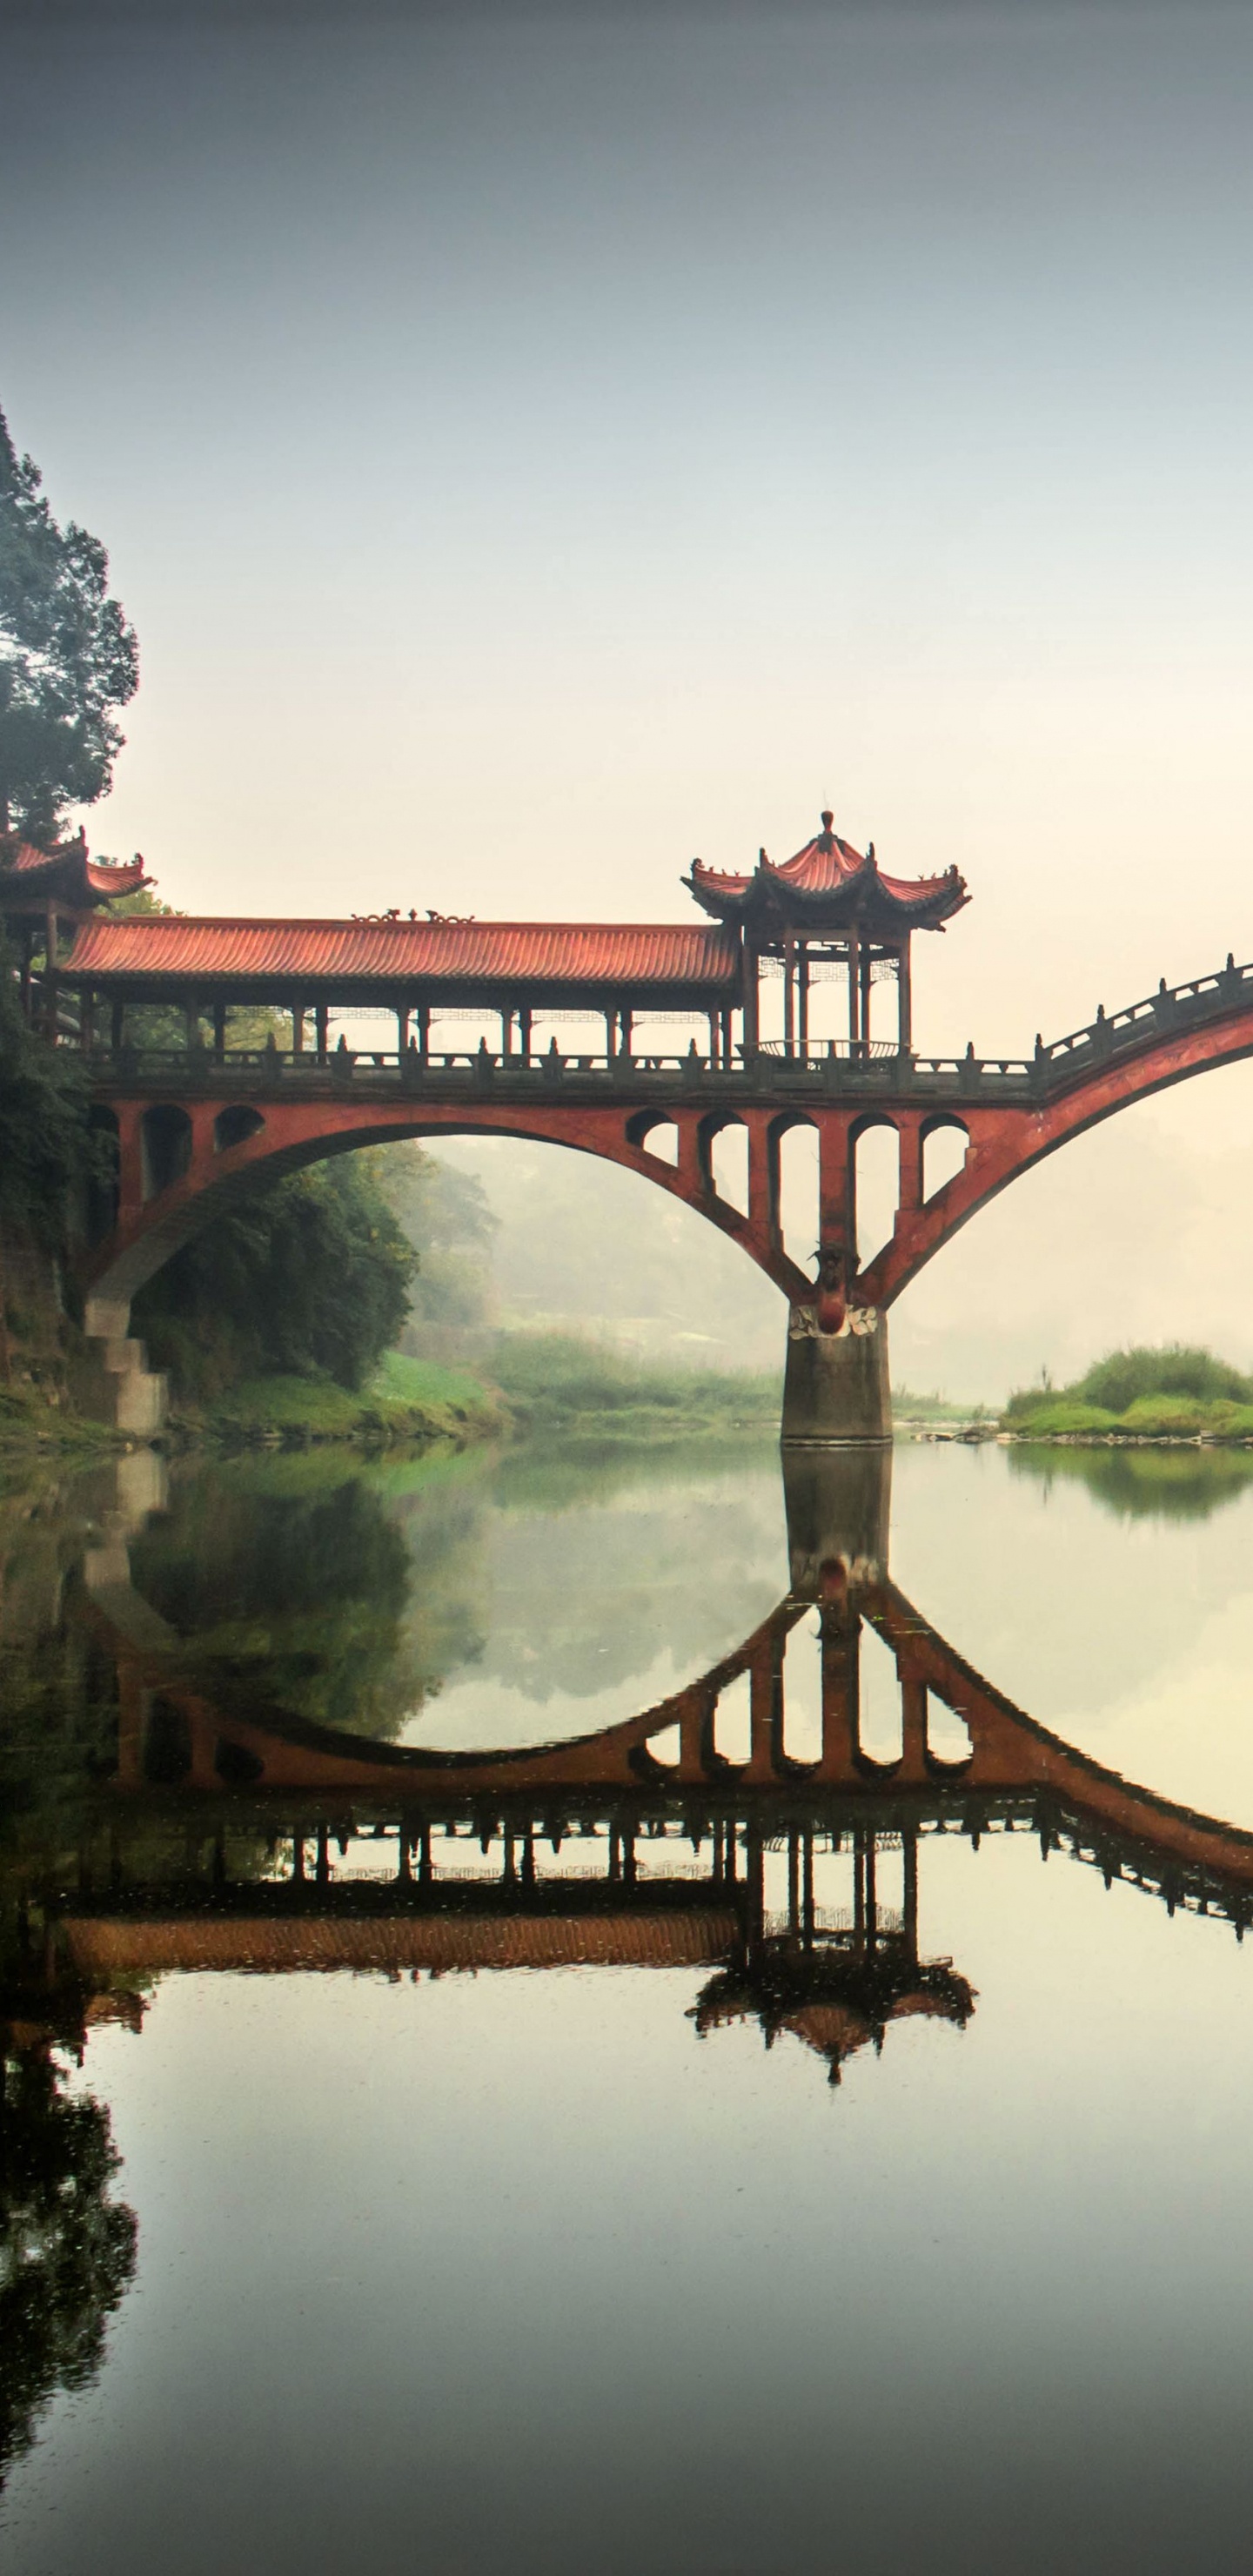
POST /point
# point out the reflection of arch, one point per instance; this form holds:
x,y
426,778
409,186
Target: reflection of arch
x,y
1016,1772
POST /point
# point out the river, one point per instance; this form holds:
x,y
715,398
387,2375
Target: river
x,y
585,2012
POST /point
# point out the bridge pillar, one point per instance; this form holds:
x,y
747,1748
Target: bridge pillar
x,y
836,1385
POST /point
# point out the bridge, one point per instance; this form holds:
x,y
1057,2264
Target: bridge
x,y
195,1123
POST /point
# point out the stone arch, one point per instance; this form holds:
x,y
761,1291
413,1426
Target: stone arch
x,y
293,1134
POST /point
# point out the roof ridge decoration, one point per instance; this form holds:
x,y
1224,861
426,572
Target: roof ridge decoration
x,y
826,886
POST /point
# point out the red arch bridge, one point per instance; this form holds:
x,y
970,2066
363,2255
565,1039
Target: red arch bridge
x,y
199,1116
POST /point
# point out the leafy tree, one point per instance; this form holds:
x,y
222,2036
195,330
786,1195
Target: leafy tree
x,y
47,1147
309,1274
68,658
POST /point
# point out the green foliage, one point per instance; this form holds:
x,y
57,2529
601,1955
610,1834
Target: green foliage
x,y
1175,1391
309,1274
47,1149
68,658
1119,1379
159,1024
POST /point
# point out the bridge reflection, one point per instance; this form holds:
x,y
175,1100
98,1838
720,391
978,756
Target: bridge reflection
x,y
708,1832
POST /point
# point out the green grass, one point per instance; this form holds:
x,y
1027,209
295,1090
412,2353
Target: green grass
x,y
31,1427
1169,1394
557,1382
405,1399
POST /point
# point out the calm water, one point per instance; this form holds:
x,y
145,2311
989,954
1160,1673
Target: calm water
x,y
565,2014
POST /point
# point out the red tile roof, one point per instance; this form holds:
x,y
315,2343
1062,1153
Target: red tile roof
x,y
65,874
830,867
561,955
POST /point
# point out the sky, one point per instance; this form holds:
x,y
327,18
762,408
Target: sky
x,y
536,447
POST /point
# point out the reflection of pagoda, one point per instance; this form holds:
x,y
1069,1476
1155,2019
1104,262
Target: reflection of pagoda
x,y
836,1990
829,909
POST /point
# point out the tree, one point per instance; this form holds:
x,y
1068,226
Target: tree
x,y
68,658
308,1273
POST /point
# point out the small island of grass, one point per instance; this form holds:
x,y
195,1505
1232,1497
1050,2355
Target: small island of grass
x,y
1172,1393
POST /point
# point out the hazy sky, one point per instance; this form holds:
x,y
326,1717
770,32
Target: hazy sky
x,y
535,448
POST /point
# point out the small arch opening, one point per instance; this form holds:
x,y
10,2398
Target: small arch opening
x,y
877,1186
664,1746
944,1149
234,1126
236,1764
798,1193
165,1136
733,1721
880,1732
802,1690
657,1136
728,1164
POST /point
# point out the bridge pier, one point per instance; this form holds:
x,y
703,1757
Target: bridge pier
x,y
836,1386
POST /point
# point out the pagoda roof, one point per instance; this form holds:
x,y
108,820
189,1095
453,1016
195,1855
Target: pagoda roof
x,y
678,962
31,878
827,886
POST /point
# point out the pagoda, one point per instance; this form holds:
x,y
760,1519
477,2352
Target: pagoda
x,y
43,889
829,904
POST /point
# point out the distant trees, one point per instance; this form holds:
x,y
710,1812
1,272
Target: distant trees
x,y
68,659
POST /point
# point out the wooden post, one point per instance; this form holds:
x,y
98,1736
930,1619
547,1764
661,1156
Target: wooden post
x,y
87,1018
424,1030
865,998
506,1034
298,1028
117,1026
402,1027
789,972
728,1052
803,996
191,1021
219,1030
50,976
854,990
904,999
524,1033
319,1023
611,1035
627,1023
712,1018
752,1017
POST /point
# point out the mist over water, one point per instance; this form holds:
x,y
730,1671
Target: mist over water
x,y
471,2223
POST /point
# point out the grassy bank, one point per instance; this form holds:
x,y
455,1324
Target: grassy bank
x,y
556,1383
1140,1394
404,1400
35,1424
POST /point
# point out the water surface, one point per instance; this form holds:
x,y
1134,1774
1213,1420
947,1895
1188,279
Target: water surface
x,y
804,2128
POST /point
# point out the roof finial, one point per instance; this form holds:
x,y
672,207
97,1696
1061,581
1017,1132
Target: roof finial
x,y
828,818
